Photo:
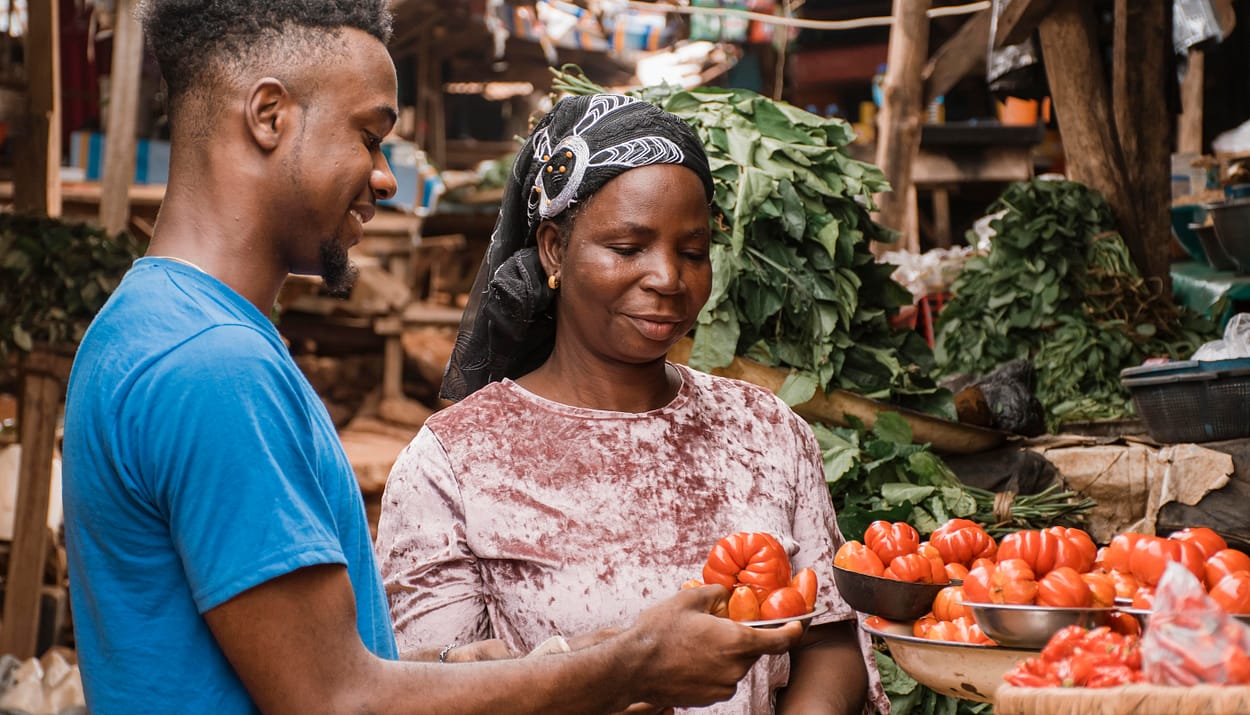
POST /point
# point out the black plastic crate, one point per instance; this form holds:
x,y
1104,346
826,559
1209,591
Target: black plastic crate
x,y
1190,401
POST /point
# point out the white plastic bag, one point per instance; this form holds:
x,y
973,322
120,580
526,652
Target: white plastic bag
x,y
1235,343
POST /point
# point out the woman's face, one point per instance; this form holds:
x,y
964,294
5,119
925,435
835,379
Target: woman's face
x,y
635,271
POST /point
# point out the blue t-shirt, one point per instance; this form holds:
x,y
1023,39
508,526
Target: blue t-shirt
x,y
199,463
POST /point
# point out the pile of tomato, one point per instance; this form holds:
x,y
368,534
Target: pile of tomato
x,y
1136,562
755,568
1077,657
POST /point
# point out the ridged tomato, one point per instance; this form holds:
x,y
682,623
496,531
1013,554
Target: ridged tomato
x,y
1013,582
1063,588
1207,541
854,556
948,604
963,541
1222,563
1233,592
891,539
784,602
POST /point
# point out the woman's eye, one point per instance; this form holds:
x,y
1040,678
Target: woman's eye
x,y
625,250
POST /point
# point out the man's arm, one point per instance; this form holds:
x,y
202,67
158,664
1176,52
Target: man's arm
x,y
827,672
294,644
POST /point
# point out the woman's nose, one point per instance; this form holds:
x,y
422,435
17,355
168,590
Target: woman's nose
x,y
663,274
381,180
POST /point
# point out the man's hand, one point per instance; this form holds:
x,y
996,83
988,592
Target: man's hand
x,y
694,657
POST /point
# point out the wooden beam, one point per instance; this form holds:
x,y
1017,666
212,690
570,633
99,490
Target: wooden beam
x,y
958,56
1140,73
119,143
1018,21
37,154
1189,124
902,110
1078,87
43,386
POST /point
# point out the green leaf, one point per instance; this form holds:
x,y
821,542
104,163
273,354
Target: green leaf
x,y
797,388
902,492
892,427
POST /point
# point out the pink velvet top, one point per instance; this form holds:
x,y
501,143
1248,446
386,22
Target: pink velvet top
x,y
515,517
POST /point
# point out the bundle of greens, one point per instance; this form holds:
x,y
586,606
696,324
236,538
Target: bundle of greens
x,y
794,282
54,277
1058,288
880,474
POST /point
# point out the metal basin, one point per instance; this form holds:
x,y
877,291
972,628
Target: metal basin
x,y
885,597
1232,228
1032,626
961,670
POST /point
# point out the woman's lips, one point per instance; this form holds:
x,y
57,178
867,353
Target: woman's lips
x,y
656,329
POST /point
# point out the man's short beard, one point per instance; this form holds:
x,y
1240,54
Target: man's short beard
x,y
338,275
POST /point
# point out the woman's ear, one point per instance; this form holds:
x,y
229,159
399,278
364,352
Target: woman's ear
x,y
268,108
550,252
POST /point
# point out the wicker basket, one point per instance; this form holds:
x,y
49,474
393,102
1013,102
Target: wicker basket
x,y
1192,401
1125,700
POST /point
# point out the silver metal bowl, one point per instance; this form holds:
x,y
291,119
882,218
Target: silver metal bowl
x,y
886,597
1032,626
1232,229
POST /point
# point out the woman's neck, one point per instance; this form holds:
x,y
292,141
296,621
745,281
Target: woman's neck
x,y
595,384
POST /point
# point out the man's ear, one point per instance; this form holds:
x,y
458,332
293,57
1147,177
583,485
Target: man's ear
x,y
550,252
269,106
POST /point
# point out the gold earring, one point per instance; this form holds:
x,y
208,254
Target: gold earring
x,y
553,281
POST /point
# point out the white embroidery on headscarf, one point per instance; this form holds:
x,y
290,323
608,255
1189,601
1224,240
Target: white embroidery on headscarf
x,y
642,151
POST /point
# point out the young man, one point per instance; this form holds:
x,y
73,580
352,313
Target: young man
x,y
219,556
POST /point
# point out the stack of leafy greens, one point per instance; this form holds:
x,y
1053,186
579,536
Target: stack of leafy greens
x,y
54,277
794,282
1058,287
880,474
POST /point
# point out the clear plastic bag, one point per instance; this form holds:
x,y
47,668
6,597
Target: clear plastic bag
x,y
1190,639
1235,343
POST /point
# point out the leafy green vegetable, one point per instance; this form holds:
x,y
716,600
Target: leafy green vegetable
x,y
908,697
1058,287
54,278
794,282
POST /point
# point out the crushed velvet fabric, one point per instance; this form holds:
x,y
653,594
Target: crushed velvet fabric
x,y
516,517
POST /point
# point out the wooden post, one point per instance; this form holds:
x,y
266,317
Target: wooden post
x,y
957,57
1018,20
1189,129
1140,73
119,143
902,111
37,154
43,378
1074,70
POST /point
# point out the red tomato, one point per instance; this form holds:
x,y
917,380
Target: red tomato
x,y
743,604
1117,553
785,602
891,540
962,541
1013,582
1043,551
1144,598
977,584
910,567
956,572
936,565
1207,541
960,630
748,559
805,582
1124,623
1222,563
948,604
1101,589
920,628
1125,584
1151,555
1233,592
854,556
692,583
1063,588
1084,544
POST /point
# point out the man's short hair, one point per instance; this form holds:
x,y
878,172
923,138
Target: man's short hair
x,y
199,42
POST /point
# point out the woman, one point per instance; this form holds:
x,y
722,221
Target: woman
x,y
582,476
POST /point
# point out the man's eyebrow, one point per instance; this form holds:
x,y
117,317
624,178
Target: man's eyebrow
x,y
388,111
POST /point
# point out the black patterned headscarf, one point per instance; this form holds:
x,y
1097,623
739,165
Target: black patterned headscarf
x,y
508,327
